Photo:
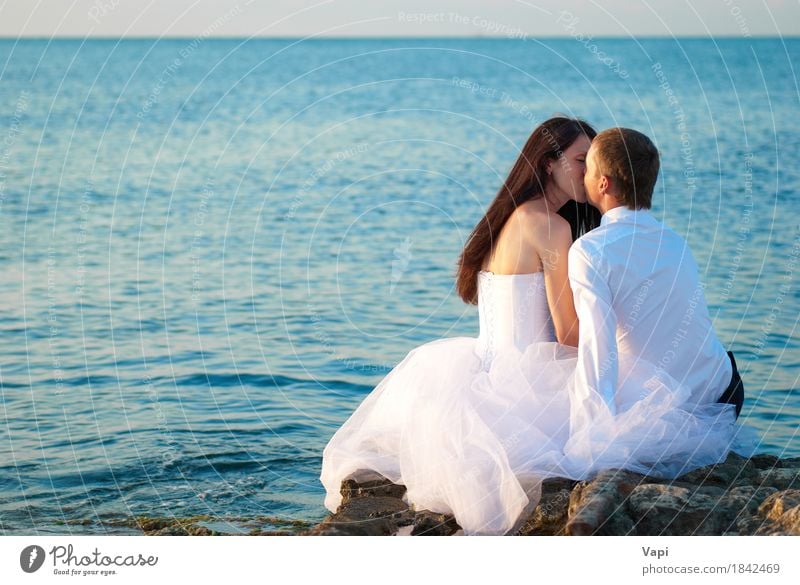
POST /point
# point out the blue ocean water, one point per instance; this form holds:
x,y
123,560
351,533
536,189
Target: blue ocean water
x,y
213,249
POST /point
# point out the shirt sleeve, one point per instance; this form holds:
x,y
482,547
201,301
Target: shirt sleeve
x,y
597,367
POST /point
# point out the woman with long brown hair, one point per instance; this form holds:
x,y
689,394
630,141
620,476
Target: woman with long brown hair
x,y
456,421
522,232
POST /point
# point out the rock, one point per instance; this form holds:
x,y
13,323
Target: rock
x,y
776,505
365,516
739,496
747,499
781,513
550,516
670,510
782,478
765,461
365,483
594,506
735,470
432,524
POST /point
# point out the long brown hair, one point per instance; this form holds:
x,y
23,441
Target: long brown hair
x,y
526,181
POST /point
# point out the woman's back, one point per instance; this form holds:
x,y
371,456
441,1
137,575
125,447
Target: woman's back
x,y
514,252
535,240
513,312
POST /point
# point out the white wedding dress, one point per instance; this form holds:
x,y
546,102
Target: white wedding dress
x,y
471,426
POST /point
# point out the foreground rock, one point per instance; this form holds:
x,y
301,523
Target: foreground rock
x,y
755,496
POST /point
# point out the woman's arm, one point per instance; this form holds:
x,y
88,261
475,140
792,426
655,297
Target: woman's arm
x,y
552,242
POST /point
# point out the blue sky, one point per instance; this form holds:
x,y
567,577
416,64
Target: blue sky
x,y
397,18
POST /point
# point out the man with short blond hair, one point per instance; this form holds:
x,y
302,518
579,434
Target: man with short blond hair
x,y
636,284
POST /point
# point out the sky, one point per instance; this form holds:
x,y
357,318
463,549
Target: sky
x,y
398,18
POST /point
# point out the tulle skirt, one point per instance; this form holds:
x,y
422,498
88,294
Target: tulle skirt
x,y
477,443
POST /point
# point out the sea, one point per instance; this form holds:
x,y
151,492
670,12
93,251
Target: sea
x,y
213,249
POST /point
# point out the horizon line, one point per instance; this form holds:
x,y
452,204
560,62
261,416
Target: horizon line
x,y
404,37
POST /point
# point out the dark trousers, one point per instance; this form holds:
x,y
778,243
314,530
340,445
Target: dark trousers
x,y
734,393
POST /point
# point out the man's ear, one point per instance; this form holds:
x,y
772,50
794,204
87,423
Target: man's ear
x,y
603,185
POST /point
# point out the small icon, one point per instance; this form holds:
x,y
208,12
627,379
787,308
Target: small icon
x,y
403,255
31,558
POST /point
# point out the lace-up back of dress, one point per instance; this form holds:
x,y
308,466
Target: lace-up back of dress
x,y
513,312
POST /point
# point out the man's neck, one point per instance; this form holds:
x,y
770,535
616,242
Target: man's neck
x,y
611,204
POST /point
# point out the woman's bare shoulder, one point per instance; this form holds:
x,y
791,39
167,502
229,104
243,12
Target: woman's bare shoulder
x,y
542,224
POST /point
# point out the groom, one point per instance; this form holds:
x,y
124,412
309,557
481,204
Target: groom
x,y
636,284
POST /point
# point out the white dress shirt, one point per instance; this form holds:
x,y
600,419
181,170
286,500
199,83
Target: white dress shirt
x,y
637,290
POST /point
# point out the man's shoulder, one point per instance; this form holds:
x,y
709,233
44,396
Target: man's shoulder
x,y
586,253
591,243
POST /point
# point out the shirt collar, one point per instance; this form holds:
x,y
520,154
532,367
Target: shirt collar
x,y
623,213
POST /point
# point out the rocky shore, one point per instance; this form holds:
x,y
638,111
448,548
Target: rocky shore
x,y
756,496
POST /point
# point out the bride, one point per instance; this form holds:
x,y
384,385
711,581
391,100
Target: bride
x,y
471,426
